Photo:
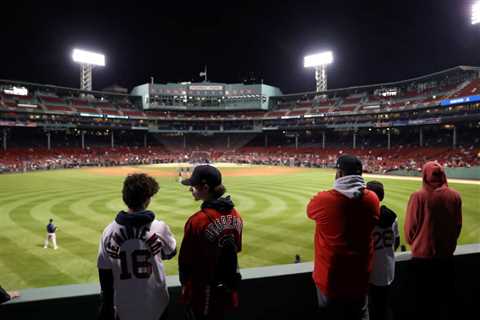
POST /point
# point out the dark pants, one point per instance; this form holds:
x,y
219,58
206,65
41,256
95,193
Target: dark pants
x,y
433,288
342,309
164,315
379,302
214,303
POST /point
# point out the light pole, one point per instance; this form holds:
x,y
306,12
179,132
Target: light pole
x,y
319,61
475,19
87,61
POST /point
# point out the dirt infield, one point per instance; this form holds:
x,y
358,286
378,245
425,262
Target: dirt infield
x,y
226,172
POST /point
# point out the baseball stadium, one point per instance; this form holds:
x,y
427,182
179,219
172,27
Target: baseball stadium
x,y
66,151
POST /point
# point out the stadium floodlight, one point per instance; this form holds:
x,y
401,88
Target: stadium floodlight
x,y
476,12
88,57
87,61
319,61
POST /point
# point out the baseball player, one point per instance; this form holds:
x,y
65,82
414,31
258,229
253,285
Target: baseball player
x,y
51,229
386,241
208,263
132,248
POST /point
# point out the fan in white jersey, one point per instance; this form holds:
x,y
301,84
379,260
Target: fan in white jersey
x,y
132,247
386,240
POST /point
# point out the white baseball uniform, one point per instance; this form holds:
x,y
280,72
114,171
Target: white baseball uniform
x,y
132,246
51,228
383,270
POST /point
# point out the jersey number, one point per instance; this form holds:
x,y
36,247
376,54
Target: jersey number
x,y
142,268
383,239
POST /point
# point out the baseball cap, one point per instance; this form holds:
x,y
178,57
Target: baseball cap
x,y
204,174
349,164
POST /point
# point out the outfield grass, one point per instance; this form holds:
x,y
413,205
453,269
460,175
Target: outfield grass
x,y
83,203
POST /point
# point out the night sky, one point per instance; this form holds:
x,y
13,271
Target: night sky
x,y
373,40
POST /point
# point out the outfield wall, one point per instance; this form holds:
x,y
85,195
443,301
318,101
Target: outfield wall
x,y
472,173
276,292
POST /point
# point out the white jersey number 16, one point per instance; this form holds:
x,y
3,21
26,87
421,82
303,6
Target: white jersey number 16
x,y
142,268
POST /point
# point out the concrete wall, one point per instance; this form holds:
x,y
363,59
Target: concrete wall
x,y
276,292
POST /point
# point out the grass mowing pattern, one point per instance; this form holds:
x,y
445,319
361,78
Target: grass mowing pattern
x,y
82,204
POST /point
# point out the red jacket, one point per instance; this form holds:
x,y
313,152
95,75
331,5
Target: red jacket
x,y
198,253
343,242
434,216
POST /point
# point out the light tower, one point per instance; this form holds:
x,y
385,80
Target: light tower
x,y
87,61
319,61
475,12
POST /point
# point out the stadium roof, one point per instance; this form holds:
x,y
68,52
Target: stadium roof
x,y
360,87
61,88
392,84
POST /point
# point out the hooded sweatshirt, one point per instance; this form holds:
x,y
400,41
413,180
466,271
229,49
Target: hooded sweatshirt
x,y
344,217
434,216
204,233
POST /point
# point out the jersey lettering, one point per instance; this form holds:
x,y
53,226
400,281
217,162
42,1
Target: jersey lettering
x,y
116,240
383,239
226,222
155,244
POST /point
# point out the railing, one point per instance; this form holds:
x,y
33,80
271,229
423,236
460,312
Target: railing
x,y
275,292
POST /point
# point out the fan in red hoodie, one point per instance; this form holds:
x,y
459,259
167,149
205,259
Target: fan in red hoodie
x,y
432,227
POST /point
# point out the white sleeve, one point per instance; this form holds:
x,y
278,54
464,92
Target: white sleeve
x,y
103,261
169,242
395,229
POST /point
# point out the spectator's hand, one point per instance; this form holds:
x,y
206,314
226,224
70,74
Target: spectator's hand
x,y
13,294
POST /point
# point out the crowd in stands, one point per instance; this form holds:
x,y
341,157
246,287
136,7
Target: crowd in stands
x,y
379,160
375,160
21,160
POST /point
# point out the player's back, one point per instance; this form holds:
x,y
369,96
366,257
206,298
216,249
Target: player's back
x,y
132,247
51,228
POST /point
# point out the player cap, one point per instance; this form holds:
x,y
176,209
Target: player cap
x,y
204,174
349,164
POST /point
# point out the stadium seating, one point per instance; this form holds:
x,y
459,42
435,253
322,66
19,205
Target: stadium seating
x,y
473,88
358,103
57,108
377,160
110,111
87,110
52,100
132,113
80,102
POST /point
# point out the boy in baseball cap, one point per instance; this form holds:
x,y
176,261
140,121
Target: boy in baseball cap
x,y
205,176
208,262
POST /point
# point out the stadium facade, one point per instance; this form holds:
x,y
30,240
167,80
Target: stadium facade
x,y
205,96
439,110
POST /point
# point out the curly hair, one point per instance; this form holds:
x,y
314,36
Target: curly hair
x,y
137,189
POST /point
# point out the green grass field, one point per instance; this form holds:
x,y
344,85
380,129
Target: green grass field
x,y
83,203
